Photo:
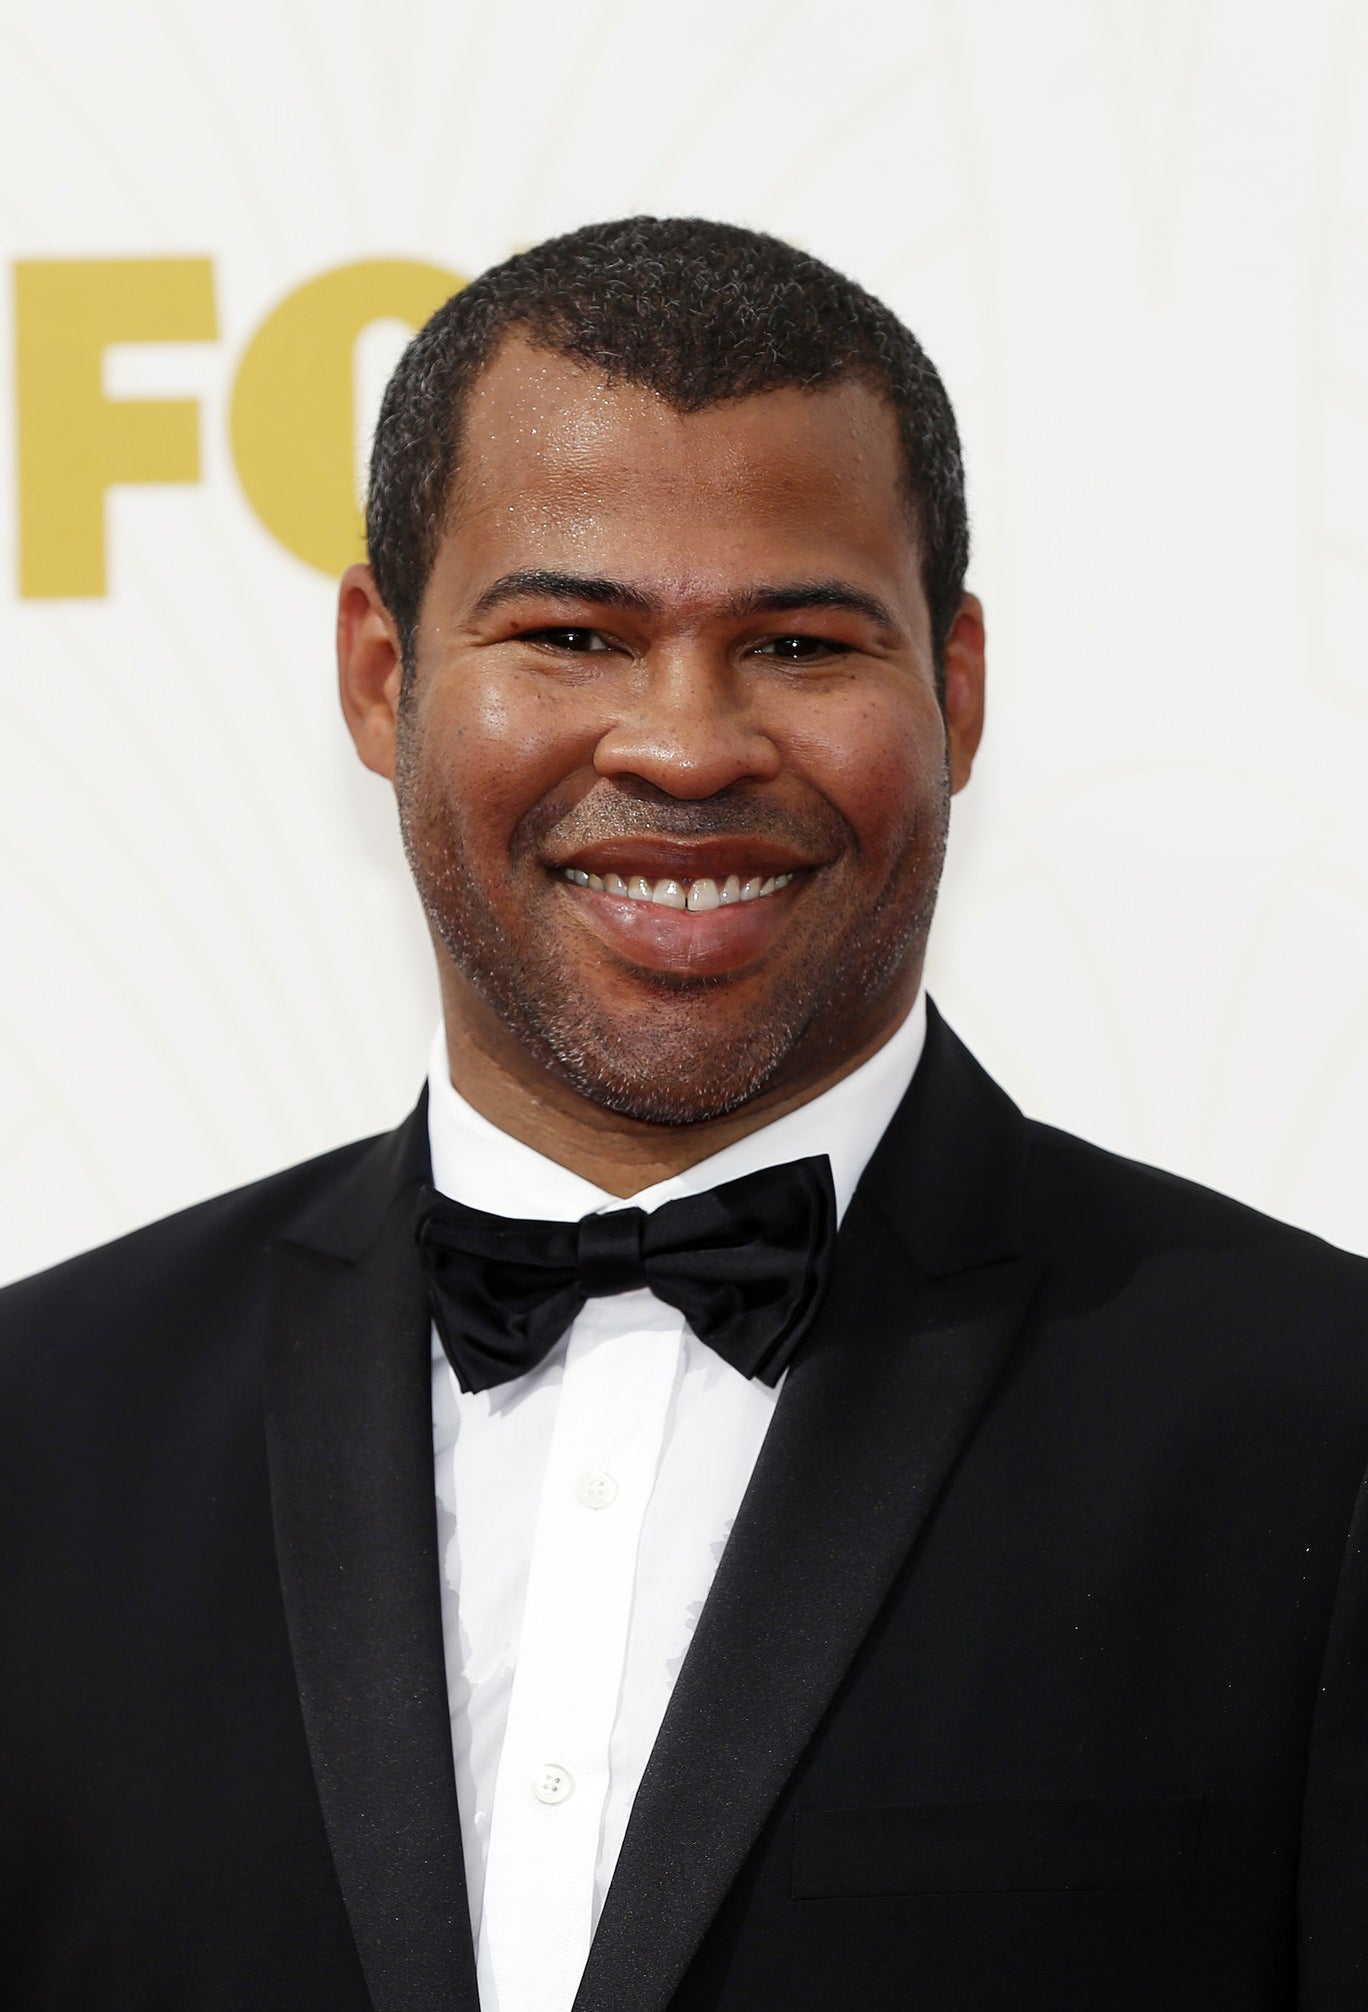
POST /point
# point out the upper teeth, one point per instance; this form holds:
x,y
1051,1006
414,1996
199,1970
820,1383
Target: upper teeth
x,y
692,894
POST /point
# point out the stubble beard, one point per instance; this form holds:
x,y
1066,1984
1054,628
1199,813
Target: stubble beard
x,y
665,1064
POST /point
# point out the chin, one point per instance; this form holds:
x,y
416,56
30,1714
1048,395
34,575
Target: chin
x,y
656,1107
682,1051
692,1089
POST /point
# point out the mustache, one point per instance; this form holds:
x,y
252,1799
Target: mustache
x,y
619,811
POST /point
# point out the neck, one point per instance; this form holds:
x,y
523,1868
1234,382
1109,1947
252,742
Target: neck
x,y
499,1078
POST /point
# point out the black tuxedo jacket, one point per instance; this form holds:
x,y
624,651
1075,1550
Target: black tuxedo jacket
x,y
1035,1672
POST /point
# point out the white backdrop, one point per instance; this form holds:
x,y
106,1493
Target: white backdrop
x,y
1133,234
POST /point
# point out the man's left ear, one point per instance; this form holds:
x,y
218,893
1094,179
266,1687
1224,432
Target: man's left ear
x,y
964,675
369,668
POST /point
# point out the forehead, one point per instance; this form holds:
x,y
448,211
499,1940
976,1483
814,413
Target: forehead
x,y
558,465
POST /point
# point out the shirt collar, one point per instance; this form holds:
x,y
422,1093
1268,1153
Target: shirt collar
x,y
476,1163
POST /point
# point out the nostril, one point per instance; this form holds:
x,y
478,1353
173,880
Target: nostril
x,y
690,763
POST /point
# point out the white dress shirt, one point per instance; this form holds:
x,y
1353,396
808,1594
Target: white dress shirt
x,y
582,1510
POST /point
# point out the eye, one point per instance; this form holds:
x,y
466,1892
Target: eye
x,y
800,649
577,642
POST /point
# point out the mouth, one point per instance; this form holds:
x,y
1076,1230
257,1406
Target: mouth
x,y
697,897
700,909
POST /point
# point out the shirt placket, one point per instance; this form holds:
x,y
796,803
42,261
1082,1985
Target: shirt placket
x,y
553,1777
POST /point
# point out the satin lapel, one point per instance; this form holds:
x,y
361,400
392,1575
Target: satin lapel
x,y
870,1423
349,1432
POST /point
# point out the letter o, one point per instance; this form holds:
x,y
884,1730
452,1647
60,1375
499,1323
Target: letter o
x,y
293,420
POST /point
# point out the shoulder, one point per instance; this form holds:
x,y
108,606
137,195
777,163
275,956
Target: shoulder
x,y
183,1272
1127,1239
1072,1182
965,1180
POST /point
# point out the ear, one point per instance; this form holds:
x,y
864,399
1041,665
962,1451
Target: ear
x,y
369,668
964,675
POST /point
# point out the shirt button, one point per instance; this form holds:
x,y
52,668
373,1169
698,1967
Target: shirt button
x,y
596,1489
552,1783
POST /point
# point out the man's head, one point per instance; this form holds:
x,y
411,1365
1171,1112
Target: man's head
x,y
666,649
699,313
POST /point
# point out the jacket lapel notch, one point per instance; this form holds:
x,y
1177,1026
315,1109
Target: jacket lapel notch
x,y
349,1438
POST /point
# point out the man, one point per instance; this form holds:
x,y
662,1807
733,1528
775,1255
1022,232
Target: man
x,y
965,1609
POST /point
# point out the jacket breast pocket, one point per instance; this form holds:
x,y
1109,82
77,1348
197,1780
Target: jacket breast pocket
x,y
993,1847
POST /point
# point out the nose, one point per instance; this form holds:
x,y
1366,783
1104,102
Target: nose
x,y
689,728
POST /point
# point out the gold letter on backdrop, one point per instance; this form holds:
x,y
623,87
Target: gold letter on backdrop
x,y
74,443
293,417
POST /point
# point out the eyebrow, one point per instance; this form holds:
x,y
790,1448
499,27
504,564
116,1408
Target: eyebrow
x,y
793,595
547,586
787,597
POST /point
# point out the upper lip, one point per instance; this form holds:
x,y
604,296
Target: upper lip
x,y
685,859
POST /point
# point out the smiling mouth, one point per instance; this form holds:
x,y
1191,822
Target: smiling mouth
x,y
698,896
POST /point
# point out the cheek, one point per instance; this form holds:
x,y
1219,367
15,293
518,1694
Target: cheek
x,y
493,749
881,763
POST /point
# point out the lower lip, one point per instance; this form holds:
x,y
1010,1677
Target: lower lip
x,y
702,943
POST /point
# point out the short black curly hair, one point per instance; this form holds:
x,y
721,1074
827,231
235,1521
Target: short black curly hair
x,y
697,312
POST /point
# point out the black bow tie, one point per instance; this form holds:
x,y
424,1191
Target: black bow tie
x,y
746,1264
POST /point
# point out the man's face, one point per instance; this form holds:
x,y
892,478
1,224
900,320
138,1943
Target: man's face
x,y
672,771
